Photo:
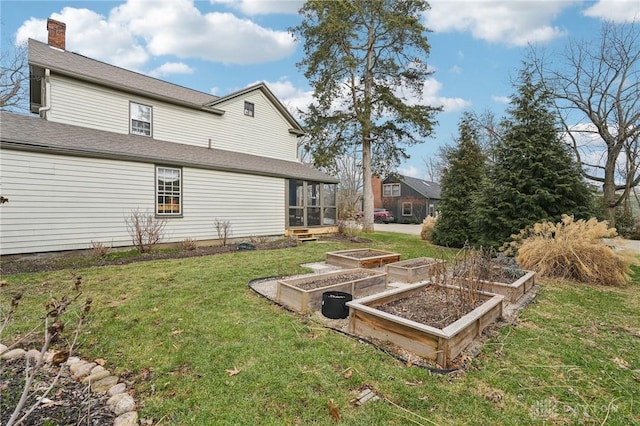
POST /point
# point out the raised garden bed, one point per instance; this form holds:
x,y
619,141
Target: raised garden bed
x,y
414,270
305,293
441,344
361,258
509,283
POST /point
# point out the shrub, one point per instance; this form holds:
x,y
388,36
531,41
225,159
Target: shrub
x,y
188,244
348,228
572,250
98,250
223,228
145,230
428,224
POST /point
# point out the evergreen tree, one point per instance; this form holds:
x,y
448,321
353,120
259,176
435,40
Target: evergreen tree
x,y
464,170
533,176
363,59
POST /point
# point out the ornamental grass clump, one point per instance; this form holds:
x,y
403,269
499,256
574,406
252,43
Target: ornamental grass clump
x,y
572,250
428,224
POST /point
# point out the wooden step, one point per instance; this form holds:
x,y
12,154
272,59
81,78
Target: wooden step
x,y
307,239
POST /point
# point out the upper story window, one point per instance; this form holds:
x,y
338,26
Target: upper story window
x,y
140,119
168,191
391,190
249,109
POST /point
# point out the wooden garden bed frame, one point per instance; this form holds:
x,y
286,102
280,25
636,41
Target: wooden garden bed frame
x,y
511,291
440,345
290,295
403,272
343,259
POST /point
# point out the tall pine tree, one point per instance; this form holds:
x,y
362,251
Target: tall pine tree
x,y
533,176
464,170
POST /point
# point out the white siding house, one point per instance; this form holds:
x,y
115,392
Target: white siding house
x,y
106,142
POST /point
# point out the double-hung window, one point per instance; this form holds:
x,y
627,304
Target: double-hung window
x,y
140,119
249,109
391,190
168,191
407,209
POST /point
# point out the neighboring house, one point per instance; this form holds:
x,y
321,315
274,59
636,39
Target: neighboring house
x,y
110,141
410,200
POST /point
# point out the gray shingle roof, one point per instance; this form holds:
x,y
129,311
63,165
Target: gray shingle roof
x,y
35,134
428,189
83,68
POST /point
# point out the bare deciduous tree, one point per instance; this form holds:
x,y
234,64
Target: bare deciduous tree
x,y
14,79
349,172
433,167
599,84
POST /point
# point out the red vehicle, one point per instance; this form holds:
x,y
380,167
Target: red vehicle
x,y
379,216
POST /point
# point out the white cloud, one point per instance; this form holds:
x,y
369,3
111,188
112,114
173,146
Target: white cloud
x,y
177,27
455,70
262,7
411,171
501,99
134,31
92,35
431,96
515,23
171,68
615,10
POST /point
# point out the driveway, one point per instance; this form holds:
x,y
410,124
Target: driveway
x,y
398,227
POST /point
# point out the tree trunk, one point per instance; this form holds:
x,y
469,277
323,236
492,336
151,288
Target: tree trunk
x,y
609,194
367,191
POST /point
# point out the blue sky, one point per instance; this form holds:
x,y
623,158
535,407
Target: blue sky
x,y
221,46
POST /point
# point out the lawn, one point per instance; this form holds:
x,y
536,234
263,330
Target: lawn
x,y
177,327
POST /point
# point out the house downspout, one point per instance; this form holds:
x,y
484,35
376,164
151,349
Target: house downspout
x,y
47,94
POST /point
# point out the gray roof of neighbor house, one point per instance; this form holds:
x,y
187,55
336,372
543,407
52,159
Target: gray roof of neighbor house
x,y
26,133
428,189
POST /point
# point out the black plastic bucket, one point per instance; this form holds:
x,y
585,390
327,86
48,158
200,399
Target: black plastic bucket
x,y
334,304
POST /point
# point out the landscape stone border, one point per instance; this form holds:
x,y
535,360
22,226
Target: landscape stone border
x,y
99,379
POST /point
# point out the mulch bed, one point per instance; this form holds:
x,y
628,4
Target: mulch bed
x,y
433,306
68,260
68,403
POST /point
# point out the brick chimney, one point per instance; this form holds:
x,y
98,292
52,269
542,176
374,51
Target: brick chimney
x,y
376,186
57,30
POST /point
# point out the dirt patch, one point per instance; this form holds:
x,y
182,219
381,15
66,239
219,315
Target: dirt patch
x,y
434,306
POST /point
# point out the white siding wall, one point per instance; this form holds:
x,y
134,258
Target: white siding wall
x,y
266,134
64,203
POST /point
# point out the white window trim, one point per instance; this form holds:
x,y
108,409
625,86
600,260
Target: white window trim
x,y
410,208
131,118
249,112
178,195
391,187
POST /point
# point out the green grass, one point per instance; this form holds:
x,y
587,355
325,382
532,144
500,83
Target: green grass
x,y
188,321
